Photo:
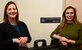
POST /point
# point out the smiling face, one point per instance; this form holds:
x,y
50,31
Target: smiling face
x,y
69,14
11,11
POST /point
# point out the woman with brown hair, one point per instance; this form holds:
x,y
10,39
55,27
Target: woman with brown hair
x,y
13,32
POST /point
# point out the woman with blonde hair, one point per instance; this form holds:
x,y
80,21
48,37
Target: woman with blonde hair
x,y
69,31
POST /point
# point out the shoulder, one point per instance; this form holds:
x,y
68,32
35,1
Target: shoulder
x,y
21,23
2,24
79,25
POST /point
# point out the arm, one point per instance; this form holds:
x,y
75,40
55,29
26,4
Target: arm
x,y
79,40
3,43
71,41
59,38
56,36
55,33
63,39
27,33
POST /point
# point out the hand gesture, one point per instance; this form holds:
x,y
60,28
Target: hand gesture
x,y
23,41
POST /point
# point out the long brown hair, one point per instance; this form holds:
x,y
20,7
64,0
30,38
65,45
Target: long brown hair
x,y
5,19
64,21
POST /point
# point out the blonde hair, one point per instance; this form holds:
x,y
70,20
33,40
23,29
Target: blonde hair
x,y
64,21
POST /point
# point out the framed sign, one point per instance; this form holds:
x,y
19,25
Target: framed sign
x,y
50,19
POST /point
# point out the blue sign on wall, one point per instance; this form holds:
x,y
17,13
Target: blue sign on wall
x,y
50,19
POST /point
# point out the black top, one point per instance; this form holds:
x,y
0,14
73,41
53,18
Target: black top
x,y
7,33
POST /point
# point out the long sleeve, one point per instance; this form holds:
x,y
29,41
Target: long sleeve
x,y
56,31
3,43
24,31
28,35
79,41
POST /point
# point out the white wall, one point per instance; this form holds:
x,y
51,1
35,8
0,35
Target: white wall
x,y
32,10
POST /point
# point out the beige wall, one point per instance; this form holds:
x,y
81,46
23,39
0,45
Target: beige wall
x,y
78,5
32,10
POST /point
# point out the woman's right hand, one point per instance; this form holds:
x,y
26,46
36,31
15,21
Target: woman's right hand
x,y
64,43
16,40
23,41
56,36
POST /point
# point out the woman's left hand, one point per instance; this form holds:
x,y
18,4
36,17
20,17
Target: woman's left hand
x,y
63,39
23,41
